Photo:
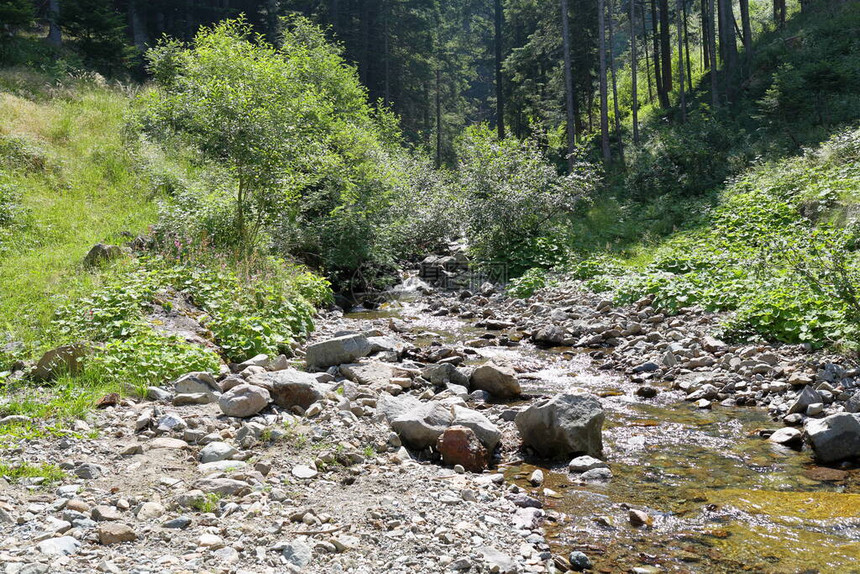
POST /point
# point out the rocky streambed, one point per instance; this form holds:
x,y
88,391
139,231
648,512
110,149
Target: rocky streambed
x,y
374,460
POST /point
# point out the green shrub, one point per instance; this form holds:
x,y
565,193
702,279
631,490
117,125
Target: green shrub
x,y
526,284
514,198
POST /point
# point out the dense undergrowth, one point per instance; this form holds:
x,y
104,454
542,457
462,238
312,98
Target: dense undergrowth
x,y
69,178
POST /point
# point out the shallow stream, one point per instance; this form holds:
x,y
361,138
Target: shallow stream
x,y
722,498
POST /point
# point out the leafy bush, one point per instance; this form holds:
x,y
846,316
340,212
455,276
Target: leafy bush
x,y
306,156
526,284
514,198
764,253
147,358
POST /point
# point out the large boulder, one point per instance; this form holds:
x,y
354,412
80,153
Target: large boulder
x,y
67,359
244,401
294,388
836,437
422,426
488,433
500,382
346,349
389,407
563,426
460,445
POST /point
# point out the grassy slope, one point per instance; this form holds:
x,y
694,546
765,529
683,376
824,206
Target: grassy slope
x,y
87,192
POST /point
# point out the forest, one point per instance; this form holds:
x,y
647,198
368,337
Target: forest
x,y
284,260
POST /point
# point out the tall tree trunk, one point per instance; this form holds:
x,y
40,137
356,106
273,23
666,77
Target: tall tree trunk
x,y
658,74
712,53
500,93
614,83
687,48
727,34
604,106
55,36
138,29
634,88
568,84
647,59
745,24
665,47
334,15
706,36
681,90
387,49
438,118
779,13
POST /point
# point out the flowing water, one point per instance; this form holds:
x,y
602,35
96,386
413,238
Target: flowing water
x,y
722,498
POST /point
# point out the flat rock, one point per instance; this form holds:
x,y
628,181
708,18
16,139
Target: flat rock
x,y
337,351
215,451
167,442
222,486
291,387
60,546
115,533
421,427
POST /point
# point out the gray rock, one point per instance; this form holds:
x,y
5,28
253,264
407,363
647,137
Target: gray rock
x,y
222,486
807,396
244,400
158,394
215,451
298,553
389,407
549,336
488,433
585,463
186,399
193,383
853,404
600,474
291,387
499,381
60,546
442,373
115,533
836,437
337,351
421,427
498,561
565,425
179,522
372,373
88,471
787,436
579,561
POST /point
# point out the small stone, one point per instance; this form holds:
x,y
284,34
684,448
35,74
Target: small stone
x,y
298,553
178,523
150,510
303,471
61,546
115,532
584,463
638,518
212,541
103,513
536,478
216,451
579,561
787,436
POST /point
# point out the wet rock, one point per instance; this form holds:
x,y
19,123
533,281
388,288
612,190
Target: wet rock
x,y
836,437
115,533
600,474
459,445
499,381
638,518
585,463
646,392
442,373
562,426
337,351
244,400
579,561
549,336
421,427
536,477
788,436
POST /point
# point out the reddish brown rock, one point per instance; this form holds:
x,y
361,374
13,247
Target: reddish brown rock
x,y
460,445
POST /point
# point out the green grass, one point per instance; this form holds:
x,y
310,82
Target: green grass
x,y
87,192
16,472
